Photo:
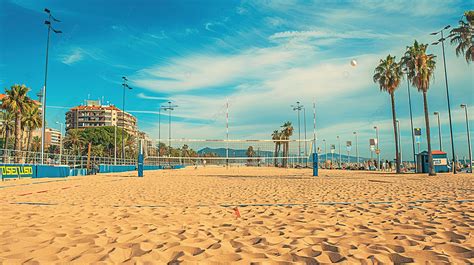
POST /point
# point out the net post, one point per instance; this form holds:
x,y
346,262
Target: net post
x,y
140,158
315,164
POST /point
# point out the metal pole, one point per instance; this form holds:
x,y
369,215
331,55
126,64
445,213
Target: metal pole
x,y
439,132
399,142
468,137
299,135
305,144
169,133
325,150
340,157
123,124
314,126
115,144
449,104
411,122
227,133
159,135
43,114
61,143
378,150
357,149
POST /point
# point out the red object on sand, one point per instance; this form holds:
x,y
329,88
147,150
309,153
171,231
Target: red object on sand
x,y
236,212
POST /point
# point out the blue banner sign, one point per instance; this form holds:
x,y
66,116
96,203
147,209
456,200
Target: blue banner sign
x,y
9,171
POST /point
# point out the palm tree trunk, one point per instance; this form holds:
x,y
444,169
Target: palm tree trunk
x,y
276,153
28,143
17,147
428,136
394,118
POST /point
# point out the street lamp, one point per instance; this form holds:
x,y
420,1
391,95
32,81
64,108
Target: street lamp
x,y
60,141
170,108
405,70
399,141
436,113
377,151
357,148
325,150
47,22
340,156
298,108
447,88
464,106
305,143
125,87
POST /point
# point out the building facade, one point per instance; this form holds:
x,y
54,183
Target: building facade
x,y
52,137
94,114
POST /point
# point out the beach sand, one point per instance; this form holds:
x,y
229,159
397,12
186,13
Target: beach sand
x,y
287,216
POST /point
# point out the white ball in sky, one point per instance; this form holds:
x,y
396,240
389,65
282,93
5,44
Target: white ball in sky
x,y
353,62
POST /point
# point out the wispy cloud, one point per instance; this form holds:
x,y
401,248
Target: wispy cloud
x,y
328,34
75,56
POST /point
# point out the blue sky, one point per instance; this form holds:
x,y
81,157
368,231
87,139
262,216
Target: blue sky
x,y
261,56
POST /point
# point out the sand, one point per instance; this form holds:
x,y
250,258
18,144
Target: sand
x,y
189,216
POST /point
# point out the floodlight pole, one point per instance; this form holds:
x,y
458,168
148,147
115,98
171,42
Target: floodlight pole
x,y
227,133
61,141
159,134
298,108
305,143
125,86
411,121
447,91
399,141
464,106
340,156
43,104
169,108
357,148
377,146
439,131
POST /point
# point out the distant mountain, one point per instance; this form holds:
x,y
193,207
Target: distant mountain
x,y
232,152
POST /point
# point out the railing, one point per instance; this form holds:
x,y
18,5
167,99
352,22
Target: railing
x,y
9,156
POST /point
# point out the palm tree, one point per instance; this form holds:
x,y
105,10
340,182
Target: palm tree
x,y
36,143
31,121
286,132
421,67
250,153
75,140
17,102
388,75
463,37
8,126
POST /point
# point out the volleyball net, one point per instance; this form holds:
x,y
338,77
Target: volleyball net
x,y
197,152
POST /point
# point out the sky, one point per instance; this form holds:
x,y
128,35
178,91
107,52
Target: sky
x,y
259,56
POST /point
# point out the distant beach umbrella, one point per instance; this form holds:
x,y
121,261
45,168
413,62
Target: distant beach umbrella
x,y
353,62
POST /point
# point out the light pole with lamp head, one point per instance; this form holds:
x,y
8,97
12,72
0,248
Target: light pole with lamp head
x,y
169,108
340,156
405,70
298,108
377,151
357,148
447,88
43,103
125,87
436,113
464,106
60,141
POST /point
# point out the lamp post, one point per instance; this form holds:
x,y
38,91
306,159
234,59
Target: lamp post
x,y
405,70
298,108
159,134
305,142
357,149
340,156
399,142
325,150
60,141
447,88
115,144
169,108
439,131
125,86
464,106
47,22
377,150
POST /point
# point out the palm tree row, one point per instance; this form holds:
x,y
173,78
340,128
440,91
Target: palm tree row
x,y
20,113
281,138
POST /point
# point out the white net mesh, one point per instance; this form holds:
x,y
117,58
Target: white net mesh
x,y
291,153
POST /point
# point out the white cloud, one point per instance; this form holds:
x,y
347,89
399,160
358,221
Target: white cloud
x,y
75,56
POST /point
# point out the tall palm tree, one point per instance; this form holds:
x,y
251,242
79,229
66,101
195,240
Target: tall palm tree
x,y
464,37
7,127
36,143
17,102
276,137
287,132
75,140
388,75
421,67
31,121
